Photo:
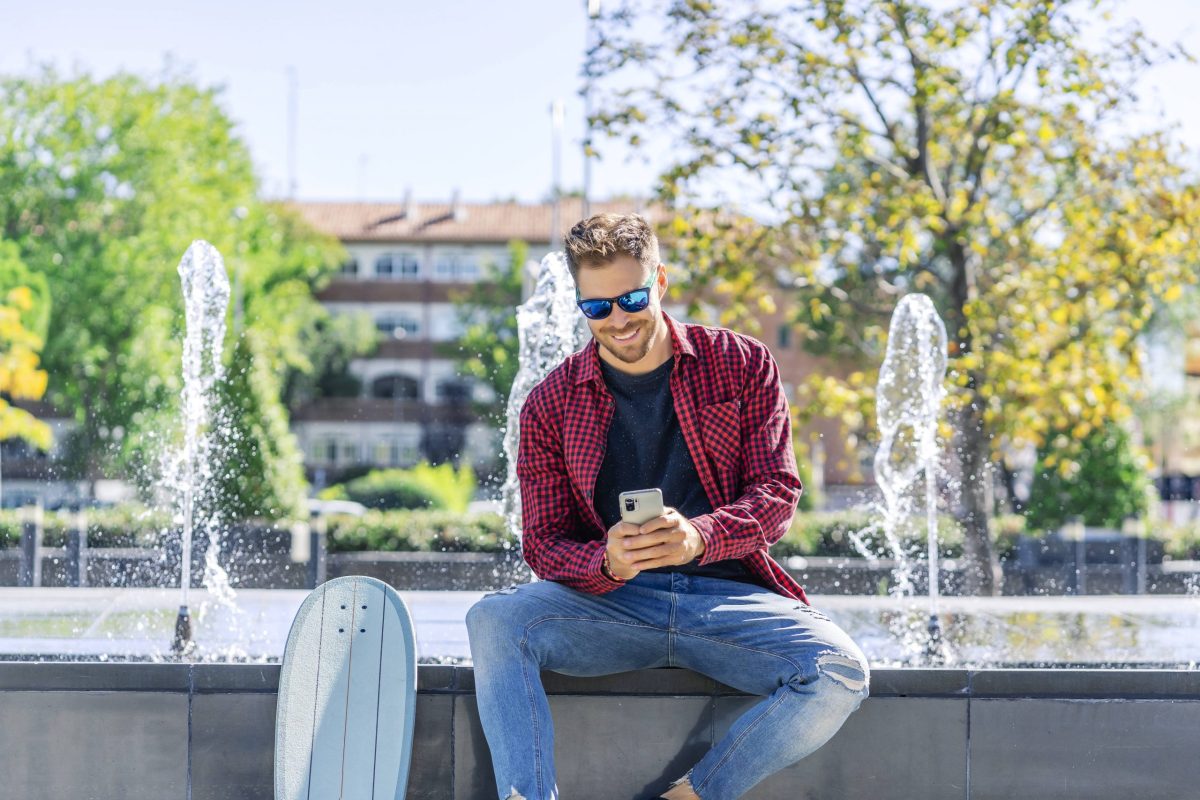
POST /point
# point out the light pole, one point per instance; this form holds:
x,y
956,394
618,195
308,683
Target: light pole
x,y
593,11
556,125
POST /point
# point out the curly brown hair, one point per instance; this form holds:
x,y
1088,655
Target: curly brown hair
x,y
600,239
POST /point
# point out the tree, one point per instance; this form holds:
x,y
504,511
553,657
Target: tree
x,y
103,185
336,341
971,151
23,312
1104,482
488,347
263,474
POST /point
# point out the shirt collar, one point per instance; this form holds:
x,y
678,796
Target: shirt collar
x,y
589,364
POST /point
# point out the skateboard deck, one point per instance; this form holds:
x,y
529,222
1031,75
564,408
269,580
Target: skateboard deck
x,y
347,695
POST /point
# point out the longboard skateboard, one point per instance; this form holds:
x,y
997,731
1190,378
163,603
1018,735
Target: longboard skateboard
x,y
347,695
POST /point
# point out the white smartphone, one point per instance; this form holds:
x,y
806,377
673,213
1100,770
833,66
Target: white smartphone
x,y
641,505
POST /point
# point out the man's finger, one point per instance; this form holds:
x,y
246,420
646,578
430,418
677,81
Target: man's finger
x,y
670,553
669,519
624,530
645,540
663,561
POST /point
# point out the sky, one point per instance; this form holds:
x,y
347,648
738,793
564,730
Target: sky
x,y
428,97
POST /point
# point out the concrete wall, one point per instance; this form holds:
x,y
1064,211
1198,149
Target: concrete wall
x,y
151,731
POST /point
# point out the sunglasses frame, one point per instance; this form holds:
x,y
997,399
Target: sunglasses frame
x,y
617,300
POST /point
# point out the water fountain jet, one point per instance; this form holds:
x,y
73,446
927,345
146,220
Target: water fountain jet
x,y
206,301
908,401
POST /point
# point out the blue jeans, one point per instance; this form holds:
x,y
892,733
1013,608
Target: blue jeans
x,y
813,675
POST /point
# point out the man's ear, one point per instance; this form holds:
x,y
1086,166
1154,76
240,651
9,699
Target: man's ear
x,y
662,281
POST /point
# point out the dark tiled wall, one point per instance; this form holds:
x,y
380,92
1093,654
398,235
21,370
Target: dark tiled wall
x,y
122,731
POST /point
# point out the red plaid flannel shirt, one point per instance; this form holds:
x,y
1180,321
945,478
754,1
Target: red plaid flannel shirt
x,y
737,425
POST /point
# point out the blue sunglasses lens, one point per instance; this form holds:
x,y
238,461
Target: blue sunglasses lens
x,y
595,309
635,300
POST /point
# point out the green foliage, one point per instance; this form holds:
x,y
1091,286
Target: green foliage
x,y
966,150
262,475
423,486
119,526
1103,480
103,185
14,274
808,500
426,531
383,491
336,340
856,534
488,348
1181,540
24,304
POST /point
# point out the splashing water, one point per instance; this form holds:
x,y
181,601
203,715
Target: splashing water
x,y
549,328
908,400
206,300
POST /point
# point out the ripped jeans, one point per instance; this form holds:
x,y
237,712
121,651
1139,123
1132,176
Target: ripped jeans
x,y
812,674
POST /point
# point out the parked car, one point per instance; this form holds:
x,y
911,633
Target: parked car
x,y
321,508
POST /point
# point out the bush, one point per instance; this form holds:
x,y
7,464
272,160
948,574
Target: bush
x,y
1100,478
422,487
847,533
119,526
424,531
1180,540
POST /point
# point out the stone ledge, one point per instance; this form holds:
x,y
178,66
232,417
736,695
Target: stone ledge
x,y
206,731
1126,684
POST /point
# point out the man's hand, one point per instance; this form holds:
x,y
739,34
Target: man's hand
x,y
665,541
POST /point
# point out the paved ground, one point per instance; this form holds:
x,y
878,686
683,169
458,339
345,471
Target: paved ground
x,y
139,623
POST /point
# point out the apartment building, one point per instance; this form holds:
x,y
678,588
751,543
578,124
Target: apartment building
x,y
406,263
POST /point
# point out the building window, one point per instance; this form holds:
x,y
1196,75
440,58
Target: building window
x,y
386,452
397,326
454,390
397,267
396,387
785,335
324,450
350,267
457,267
445,324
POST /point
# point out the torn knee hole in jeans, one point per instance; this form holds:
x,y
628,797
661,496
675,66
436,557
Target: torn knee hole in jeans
x,y
845,670
515,795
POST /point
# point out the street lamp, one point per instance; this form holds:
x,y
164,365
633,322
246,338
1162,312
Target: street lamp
x,y
593,11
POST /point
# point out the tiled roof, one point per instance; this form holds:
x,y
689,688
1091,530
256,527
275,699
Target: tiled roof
x,y
436,222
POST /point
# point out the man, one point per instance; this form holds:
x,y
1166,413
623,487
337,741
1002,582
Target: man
x,y
699,413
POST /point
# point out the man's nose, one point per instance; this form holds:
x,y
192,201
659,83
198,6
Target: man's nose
x,y
619,319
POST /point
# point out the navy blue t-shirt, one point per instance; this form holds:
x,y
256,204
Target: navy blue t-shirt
x,y
646,450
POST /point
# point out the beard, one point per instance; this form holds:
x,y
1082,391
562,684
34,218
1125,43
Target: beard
x,y
634,351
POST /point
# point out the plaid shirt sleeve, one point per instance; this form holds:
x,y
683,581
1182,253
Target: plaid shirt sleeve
x,y
762,514
548,516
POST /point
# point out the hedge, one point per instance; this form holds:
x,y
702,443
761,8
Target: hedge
x,y
119,526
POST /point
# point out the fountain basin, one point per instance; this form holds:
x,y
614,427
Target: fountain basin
x,y
206,731
1126,631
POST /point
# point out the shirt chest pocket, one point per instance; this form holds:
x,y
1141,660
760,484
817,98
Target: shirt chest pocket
x,y
721,428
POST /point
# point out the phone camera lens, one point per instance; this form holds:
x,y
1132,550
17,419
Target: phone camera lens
x,y
630,504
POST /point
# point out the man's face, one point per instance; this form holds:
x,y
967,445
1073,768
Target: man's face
x,y
625,337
